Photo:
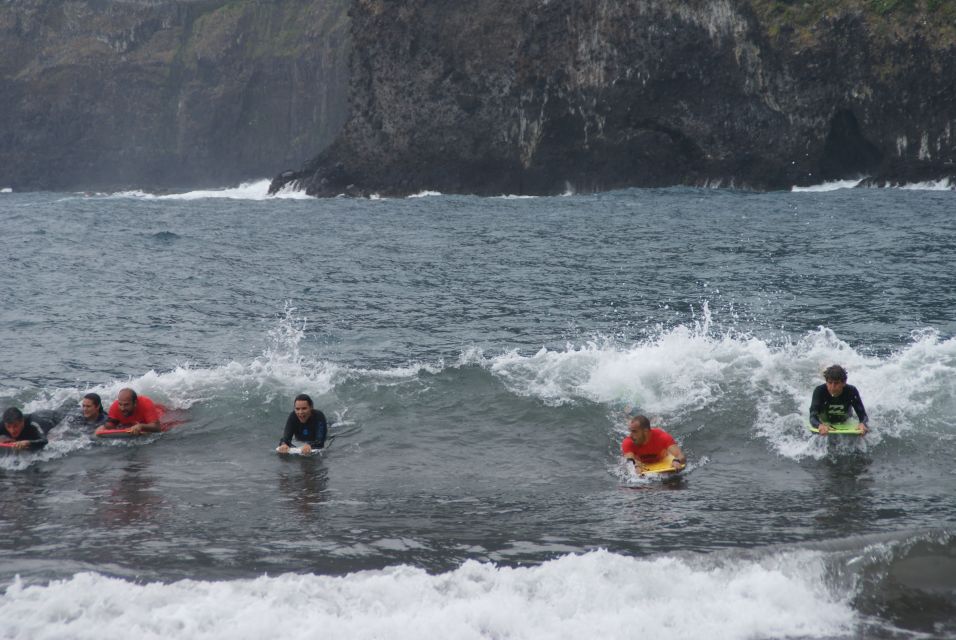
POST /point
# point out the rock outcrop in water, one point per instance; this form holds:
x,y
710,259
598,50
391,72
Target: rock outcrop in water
x,y
105,94
538,96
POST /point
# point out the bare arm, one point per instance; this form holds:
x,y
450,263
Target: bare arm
x,y
633,459
145,427
679,458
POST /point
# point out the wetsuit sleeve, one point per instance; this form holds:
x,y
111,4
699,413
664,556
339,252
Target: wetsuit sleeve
x,y
289,430
46,420
816,405
34,436
321,429
857,403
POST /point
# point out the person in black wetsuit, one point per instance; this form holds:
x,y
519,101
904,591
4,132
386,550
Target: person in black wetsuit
x,y
27,431
307,424
835,401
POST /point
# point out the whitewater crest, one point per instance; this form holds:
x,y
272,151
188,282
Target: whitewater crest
x,y
943,184
256,190
686,375
688,369
575,596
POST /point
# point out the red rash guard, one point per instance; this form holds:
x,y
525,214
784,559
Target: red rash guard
x,y
651,450
144,412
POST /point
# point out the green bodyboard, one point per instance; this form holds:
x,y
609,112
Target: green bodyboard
x,y
841,429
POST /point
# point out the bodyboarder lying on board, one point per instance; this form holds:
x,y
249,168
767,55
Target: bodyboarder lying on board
x,y
645,445
136,413
23,431
306,424
835,401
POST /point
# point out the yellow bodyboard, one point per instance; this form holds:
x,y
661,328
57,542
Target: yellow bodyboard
x,y
664,465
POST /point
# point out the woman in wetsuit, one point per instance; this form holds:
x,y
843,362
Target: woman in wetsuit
x,y
306,424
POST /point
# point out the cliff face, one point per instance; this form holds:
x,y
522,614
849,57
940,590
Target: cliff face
x,y
534,96
105,94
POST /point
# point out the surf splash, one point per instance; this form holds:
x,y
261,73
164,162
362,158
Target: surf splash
x,y
829,186
256,190
688,369
675,376
595,595
943,184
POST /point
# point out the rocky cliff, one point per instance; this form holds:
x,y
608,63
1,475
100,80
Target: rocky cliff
x,y
536,96
105,93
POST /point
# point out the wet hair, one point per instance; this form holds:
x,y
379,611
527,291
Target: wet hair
x,y
834,372
642,420
96,399
12,415
132,394
303,396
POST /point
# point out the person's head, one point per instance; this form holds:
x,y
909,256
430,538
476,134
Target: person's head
x,y
91,406
835,377
13,421
640,429
303,407
126,401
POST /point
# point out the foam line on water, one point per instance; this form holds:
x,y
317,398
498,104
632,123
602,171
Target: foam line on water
x,y
829,186
931,185
944,184
256,190
595,595
57,448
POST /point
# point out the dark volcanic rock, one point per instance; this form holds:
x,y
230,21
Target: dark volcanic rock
x,y
104,93
536,96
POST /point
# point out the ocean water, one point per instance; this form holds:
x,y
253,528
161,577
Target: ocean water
x,y
478,357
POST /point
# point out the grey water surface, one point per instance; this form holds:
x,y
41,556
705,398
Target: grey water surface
x,y
479,356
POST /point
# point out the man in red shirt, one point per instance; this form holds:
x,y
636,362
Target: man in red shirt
x,y
137,413
650,445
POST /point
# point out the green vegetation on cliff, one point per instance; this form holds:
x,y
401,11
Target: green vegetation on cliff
x,y
801,22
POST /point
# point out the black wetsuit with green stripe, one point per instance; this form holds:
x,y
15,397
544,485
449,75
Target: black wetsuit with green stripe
x,y
836,409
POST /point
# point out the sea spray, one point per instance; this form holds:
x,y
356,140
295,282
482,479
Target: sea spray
x,y
595,595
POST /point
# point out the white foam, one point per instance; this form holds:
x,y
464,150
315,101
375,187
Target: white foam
x,y
596,595
688,368
426,194
280,371
909,392
932,185
943,184
829,186
684,368
258,190
56,449
6,190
